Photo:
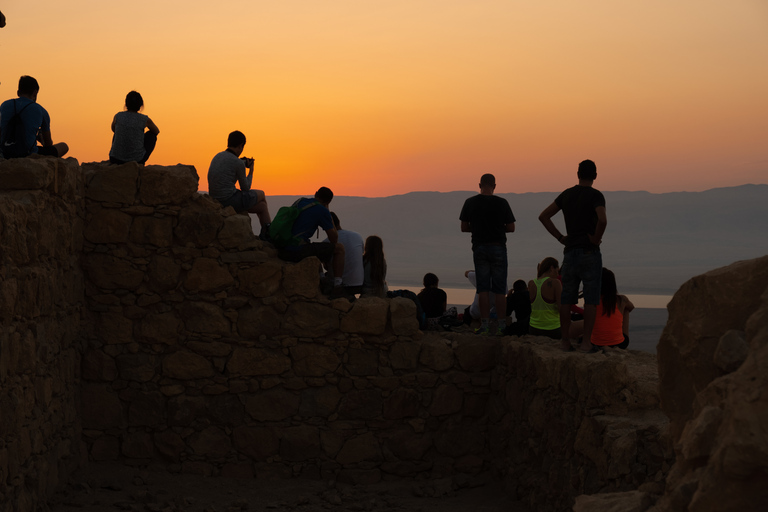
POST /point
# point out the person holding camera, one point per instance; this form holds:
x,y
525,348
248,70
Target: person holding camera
x,y
226,170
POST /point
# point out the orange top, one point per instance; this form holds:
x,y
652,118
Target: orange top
x,y
608,329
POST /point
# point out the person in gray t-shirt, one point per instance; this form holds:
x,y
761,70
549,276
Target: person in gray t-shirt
x,y
227,169
130,143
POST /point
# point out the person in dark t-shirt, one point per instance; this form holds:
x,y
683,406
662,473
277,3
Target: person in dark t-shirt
x,y
434,301
585,222
489,218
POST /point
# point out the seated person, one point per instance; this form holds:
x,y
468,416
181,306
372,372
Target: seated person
x,y
374,268
519,303
314,214
352,280
612,320
433,300
130,143
19,138
227,169
544,292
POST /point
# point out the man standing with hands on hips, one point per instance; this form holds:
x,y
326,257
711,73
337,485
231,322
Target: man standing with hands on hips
x,y
489,218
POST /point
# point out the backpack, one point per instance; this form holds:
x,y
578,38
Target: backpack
x,y
14,140
281,228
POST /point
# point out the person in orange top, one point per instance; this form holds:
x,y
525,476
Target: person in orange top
x,y
612,320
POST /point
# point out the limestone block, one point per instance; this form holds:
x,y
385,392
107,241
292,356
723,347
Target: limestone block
x,y
137,445
225,409
152,230
447,399
300,443
254,321
477,355
302,278
207,275
362,361
630,501
402,403
405,444
405,355
98,366
210,348
262,280
236,231
359,476
311,360
21,353
361,404
367,316
26,173
163,273
206,318
309,319
160,328
258,361
731,351
701,311
185,365
212,442
456,440
146,409
183,410
169,444
319,402
105,448
107,226
111,183
258,443
272,405
362,448
436,354
167,184
137,367
403,314
198,226
110,273
101,407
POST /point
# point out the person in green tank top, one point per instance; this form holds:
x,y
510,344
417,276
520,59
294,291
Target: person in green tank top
x,y
544,292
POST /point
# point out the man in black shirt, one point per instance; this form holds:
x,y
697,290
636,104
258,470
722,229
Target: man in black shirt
x,y
585,221
489,218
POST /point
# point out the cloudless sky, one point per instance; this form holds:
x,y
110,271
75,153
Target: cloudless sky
x,y
377,98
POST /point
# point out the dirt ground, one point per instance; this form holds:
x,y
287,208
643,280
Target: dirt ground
x,y
107,488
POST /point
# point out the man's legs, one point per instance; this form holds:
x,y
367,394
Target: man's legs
x,y
483,277
590,312
565,326
590,269
498,262
58,150
338,263
261,209
150,141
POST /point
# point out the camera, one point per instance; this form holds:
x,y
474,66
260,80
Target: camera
x,y
247,161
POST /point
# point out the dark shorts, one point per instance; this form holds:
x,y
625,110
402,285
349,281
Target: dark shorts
x,y
490,268
624,344
241,201
323,251
47,151
581,266
555,334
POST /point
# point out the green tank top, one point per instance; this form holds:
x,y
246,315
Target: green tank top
x,y
544,316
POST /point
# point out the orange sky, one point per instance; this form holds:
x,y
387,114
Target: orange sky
x,y
378,98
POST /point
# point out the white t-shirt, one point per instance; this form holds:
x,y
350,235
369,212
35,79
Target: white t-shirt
x,y
353,257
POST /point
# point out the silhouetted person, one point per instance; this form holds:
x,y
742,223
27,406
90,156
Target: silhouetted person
x,y
352,280
2,19
489,218
226,170
612,317
433,300
130,143
374,268
585,220
519,303
35,124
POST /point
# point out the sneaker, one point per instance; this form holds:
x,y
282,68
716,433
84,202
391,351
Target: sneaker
x,y
482,331
498,332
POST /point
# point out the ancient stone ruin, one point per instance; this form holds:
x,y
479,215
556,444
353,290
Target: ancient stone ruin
x,y
146,326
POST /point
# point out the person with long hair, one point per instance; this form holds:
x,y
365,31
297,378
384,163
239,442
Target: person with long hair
x,y
374,267
130,143
519,302
612,321
544,293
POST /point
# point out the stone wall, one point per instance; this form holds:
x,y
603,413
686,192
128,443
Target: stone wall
x,y
41,303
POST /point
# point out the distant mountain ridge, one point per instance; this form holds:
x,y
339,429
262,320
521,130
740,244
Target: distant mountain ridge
x,y
654,242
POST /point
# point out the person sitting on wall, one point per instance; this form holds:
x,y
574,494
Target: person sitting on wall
x,y
227,169
352,280
519,303
433,299
32,124
130,143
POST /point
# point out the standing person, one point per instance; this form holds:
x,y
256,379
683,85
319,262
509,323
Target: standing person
x,y
227,169
489,218
374,268
352,280
585,221
130,143
32,124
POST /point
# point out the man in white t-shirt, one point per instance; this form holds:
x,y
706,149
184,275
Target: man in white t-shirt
x,y
352,280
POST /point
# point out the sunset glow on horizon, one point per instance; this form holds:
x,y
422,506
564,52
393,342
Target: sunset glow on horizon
x,y
382,98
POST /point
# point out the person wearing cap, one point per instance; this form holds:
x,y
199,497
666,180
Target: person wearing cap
x,y
489,218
